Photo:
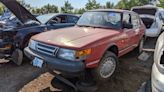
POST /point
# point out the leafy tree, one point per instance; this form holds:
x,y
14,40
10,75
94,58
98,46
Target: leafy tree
x,y
49,9
81,11
1,8
161,3
109,5
128,4
92,4
46,9
67,8
27,6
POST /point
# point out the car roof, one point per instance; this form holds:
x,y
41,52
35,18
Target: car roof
x,y
55,14
147,6
109,10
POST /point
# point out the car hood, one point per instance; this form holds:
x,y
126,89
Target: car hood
x,y
19,11
75,37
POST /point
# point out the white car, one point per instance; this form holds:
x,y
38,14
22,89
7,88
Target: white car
x,y
157,77
152,18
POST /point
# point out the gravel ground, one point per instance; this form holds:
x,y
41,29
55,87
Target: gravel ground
x,y
27,78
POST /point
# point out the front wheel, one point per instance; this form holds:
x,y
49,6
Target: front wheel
x,y
107,67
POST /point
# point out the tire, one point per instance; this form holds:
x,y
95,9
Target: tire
x,y
25,58
60,85
107,60
86,88
148,86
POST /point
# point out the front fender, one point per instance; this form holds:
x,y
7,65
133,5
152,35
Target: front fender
x,y
23,35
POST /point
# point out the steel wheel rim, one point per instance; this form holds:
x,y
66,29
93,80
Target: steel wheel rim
x,y
108,67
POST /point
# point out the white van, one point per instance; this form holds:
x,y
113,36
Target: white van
x,y
152,18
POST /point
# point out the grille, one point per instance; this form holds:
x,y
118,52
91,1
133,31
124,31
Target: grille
x,y
47,49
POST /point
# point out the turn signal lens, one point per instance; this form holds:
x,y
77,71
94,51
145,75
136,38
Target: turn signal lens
x,y
83,53
8,46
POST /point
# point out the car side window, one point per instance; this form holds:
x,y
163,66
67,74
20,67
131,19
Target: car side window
x,y
72,19
135,21
126,18
59,19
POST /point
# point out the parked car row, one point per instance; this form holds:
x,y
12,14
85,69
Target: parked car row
x,y
16,38
76,47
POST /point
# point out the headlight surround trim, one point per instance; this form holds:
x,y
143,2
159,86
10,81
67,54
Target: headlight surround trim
x,y
73,55
32,44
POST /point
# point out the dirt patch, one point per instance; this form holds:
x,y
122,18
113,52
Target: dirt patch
x,y
26,78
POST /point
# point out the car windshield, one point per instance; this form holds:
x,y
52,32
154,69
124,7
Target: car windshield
x,y
100,19
45,18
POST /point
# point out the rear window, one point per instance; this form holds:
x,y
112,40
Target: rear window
x,y
145,11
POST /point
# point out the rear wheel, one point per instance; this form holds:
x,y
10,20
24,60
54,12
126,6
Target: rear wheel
x,y
107,67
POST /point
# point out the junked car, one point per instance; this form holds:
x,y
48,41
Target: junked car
x,y
91,47
14,39
152,18
157,78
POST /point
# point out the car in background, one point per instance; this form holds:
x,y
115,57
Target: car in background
x,y
91,47
152,18
13,39
157,77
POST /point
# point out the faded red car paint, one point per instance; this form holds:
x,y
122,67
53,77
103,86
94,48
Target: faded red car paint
x,y
98,39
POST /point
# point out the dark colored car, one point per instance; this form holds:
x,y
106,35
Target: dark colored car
x,y
13,39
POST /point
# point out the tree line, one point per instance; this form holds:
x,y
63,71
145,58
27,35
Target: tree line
x,y
91,4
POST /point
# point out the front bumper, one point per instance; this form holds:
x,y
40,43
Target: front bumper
x,y
60,65
5,51
157,80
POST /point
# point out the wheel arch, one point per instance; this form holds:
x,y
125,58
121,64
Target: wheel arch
x,y
27,38
113,48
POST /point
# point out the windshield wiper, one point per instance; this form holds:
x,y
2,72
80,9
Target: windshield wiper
x,y
84,26
93,26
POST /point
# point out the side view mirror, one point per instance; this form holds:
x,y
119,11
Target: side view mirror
x,y
127,25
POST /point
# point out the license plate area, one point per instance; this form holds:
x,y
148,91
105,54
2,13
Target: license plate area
x,y
37,62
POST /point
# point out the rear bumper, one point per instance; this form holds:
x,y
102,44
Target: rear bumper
x,y
60,65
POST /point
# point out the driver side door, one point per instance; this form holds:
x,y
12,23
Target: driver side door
x,y
127,19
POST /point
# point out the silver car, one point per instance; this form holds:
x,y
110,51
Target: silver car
x,y
157,77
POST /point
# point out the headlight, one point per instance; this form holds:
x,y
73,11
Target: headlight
x,y
73,55
67,54
32,44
